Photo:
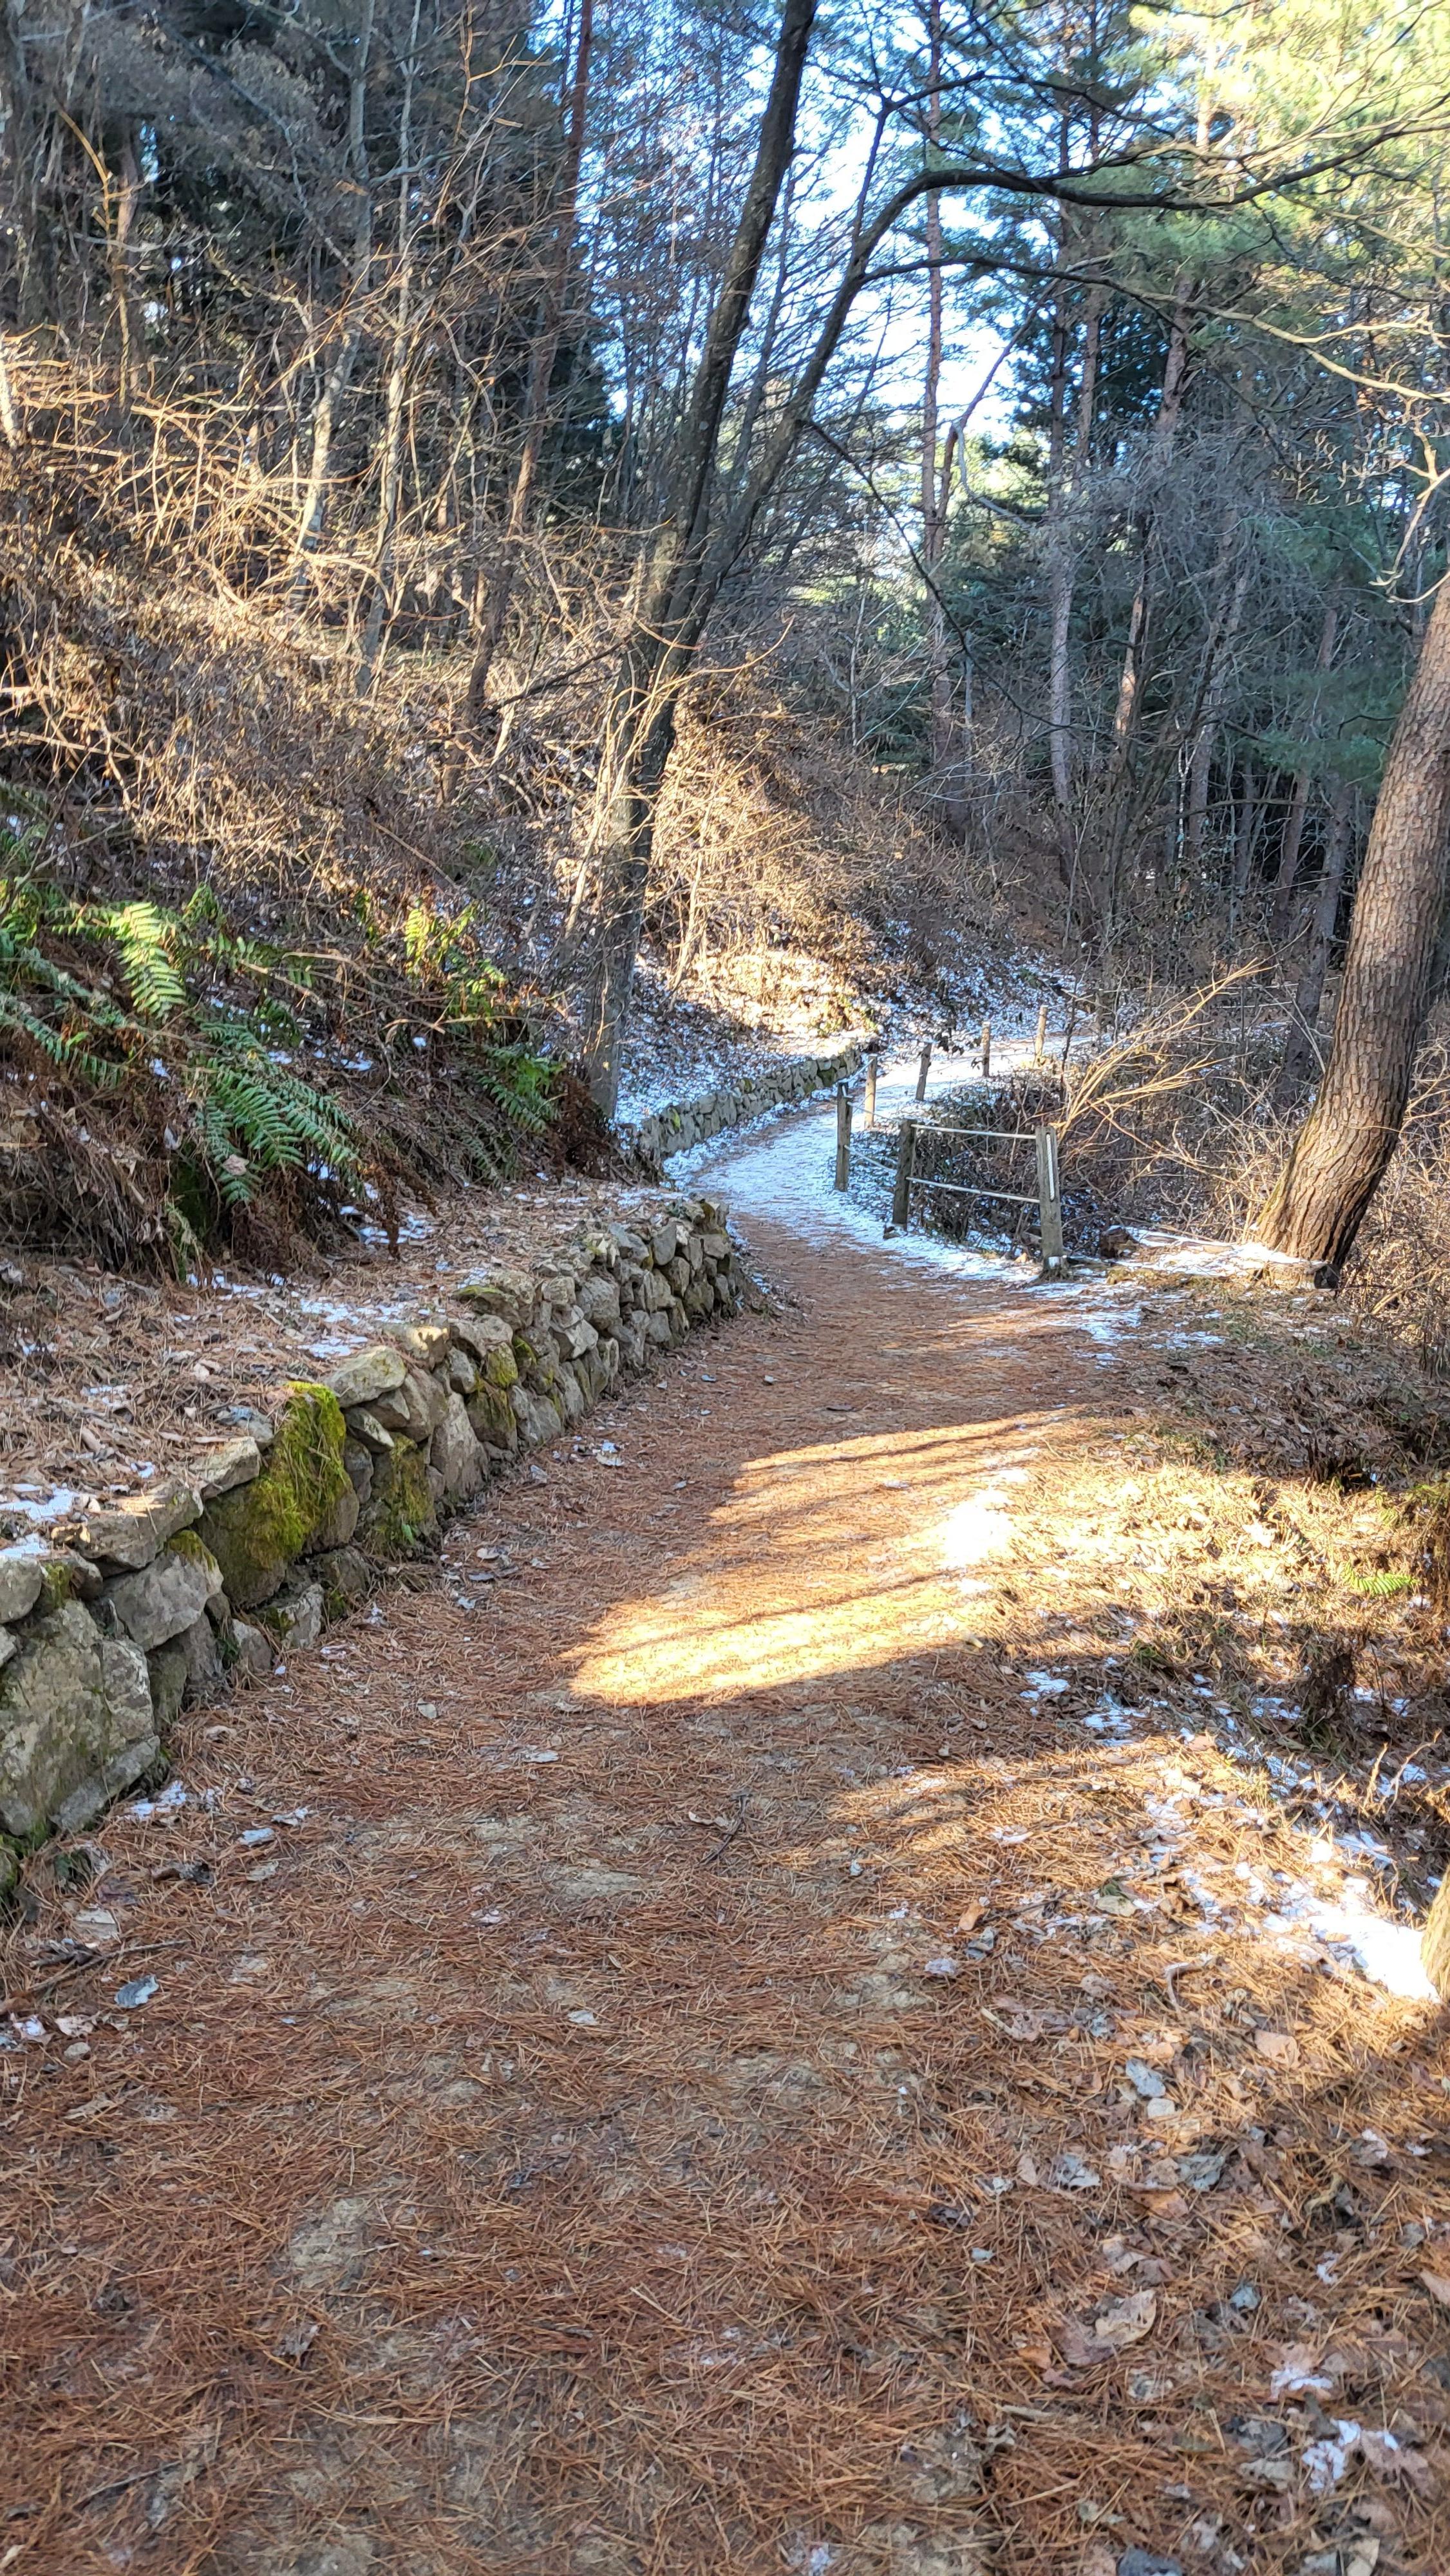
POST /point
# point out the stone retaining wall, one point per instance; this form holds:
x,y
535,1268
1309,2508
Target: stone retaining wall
x,y
692,1122
123,1614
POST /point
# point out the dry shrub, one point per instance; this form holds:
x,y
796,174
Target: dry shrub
x,y
774,836
1175,1123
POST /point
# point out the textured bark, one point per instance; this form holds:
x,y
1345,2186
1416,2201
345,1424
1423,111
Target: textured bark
x,y
504,574
1301,1050
934,493
1435,1942
1346,1142
312,516
1284,893
1229,598
679,593
1062,572
1125,715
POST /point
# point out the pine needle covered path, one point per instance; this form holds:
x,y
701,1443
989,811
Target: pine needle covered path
x,y
728,2033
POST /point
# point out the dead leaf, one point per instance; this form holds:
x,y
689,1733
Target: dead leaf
x,y
1125,2321
1116,2325
1438,2285
971,1915
92,2110
1021,2020
1279,2046
1164,2204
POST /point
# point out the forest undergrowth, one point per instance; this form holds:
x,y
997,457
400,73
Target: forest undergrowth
x,y
275,956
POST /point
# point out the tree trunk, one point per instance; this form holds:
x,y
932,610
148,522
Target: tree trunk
x,y
500,587
1213,687
1282,921
677,596
1062,577
935,486
1246,832
1345,1145
380,606
1130,681
312,515
1300,1051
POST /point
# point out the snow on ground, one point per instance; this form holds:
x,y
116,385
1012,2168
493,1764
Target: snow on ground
x,y
681,1049
782,1168
789,1173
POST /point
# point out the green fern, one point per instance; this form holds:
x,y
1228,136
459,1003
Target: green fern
x,y
151,943
250,1115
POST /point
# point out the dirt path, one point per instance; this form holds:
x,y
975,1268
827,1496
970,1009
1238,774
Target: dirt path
x,y
653,2060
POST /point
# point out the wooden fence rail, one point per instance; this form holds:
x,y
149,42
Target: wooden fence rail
x,y
1046,1198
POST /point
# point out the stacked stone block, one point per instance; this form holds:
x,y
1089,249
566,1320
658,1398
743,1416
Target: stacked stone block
x,y
128,1612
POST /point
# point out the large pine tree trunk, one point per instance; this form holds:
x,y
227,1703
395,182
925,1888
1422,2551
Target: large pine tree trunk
x,y
1351,1132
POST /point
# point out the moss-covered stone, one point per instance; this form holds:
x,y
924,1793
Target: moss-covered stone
x,y
492,1417
500,1368
190,1543
346,1578
76,1723
400,1508
534,1359
258,1530
57,1586
167,1668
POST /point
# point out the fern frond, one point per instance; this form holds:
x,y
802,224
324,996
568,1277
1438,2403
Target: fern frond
x,y
147,938
61,1045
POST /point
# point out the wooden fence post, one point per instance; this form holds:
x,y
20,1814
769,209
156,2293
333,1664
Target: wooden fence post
x,y
1040,1049
871,1063
843,1138
986,1050
922,1070
901,1195
1049,1200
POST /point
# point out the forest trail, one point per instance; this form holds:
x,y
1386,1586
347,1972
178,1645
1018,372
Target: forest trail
x,y
707,2058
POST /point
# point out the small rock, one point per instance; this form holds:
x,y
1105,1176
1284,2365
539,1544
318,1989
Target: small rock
x,y
128,1537
367,1375
67,1576
245,1417
425,1343
136,1992
254,1654
368,1431
1145,2080
234,1462
295,1615
20,1577
166,1596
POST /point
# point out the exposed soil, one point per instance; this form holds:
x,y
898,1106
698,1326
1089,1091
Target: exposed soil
x,y
676,2079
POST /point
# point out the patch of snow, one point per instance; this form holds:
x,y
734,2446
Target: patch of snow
x,y
976,1530
51,1507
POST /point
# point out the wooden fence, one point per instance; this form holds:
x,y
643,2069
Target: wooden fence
x,y
1046,1198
